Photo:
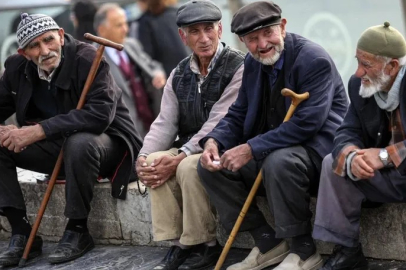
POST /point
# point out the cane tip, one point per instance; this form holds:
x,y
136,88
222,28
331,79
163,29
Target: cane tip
x,y
22,262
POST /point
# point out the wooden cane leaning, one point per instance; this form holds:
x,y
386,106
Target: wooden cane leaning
x,y
89,80
296,100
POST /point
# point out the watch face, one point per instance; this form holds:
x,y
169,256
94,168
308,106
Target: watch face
x,y
383,154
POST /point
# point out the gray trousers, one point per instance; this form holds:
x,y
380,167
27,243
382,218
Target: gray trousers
x,y
86,156
288,175
339,202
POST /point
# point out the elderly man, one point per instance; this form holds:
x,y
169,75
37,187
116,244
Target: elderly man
x,y
197,95
140,78
42,84
368,158
252,137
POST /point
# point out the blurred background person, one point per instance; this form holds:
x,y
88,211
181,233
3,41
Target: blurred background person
x,y
139,77
158,33
82,16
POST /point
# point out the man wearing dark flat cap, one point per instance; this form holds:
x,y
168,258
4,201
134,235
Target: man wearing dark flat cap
x,y
368,159
253,137
197,95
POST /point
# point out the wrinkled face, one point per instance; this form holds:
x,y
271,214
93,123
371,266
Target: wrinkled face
x,y
373,73
202,38
266,44
46,50
115,27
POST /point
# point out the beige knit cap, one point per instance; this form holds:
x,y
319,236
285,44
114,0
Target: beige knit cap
x,y
383,40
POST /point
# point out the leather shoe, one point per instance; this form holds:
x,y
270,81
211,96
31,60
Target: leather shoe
x,y
345,258
173,259
202,257
16,248
72,245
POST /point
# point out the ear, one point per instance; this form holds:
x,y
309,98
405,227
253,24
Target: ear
x,y
61,34
22,52
182,36
241,39
220,29
283,27
394,67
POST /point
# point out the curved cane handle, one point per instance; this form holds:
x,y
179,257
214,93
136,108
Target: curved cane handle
x,y
296,100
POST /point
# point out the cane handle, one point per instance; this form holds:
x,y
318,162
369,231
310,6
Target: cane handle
x,y
103,41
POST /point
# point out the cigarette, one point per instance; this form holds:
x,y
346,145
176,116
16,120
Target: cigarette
x,y
216,162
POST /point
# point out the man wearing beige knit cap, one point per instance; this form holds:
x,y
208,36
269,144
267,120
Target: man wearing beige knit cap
x,y
368,161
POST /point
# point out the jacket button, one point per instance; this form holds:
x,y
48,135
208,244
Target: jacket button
x,y
379,134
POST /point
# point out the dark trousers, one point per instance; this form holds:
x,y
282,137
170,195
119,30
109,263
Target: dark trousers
x,y
338,211
288,175
86,156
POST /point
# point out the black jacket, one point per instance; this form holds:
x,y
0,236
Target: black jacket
x,y
103,112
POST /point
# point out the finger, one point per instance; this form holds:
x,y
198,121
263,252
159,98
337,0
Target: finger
x,y
364,166
156,161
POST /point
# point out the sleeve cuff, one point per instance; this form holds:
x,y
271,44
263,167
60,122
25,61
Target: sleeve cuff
x,y
348,161
340,162
185,150
397,153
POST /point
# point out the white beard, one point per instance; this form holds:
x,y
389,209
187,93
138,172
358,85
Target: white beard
x,y
270,60
379,84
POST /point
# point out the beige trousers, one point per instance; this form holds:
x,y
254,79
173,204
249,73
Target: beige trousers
x,y
180,207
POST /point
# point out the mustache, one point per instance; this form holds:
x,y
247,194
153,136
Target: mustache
x,y
45,57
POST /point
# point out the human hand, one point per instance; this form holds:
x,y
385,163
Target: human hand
x,y
17,139
210,159
159,80
165,168
143,170
362,166
235,158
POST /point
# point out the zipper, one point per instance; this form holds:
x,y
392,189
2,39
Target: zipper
x,y
121,190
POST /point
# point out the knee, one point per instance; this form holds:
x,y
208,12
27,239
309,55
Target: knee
x,y
80,145
202,172
153,156
187,169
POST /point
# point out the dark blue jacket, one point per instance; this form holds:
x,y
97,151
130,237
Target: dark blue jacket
x,y
307,68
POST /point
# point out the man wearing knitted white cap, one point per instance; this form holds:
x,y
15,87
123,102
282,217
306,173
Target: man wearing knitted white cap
x,y
368,160
42,84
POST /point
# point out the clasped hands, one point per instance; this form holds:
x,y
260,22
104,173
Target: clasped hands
x,y
17,139
159,171
233,159
365,163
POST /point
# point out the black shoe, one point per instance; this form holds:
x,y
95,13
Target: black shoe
x,y
175,257
16,248
202,257
72,245
345,258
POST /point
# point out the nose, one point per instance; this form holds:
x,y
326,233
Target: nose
x,y
44,49
262,43
360,72
203,37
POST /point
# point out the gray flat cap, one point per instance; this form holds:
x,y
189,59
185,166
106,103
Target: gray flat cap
x,y
255,16
197,11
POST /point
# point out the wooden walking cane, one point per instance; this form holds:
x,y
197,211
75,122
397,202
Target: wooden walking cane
x,y
89,80
296,100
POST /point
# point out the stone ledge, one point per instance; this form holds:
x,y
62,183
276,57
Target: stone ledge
x,y
129,222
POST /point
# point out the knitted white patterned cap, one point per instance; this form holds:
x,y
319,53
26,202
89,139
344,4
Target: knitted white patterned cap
x,y
32,26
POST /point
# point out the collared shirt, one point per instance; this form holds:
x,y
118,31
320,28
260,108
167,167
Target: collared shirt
x,y
43,76
273,71
194,64
113,54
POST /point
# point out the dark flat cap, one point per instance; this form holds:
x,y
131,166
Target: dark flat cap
x,y
197,11
255,16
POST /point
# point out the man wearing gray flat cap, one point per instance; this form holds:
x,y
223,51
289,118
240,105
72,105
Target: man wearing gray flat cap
x,y
197,95
368,161
253,137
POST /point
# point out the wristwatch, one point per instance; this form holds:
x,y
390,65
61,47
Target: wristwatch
x,y
384,156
